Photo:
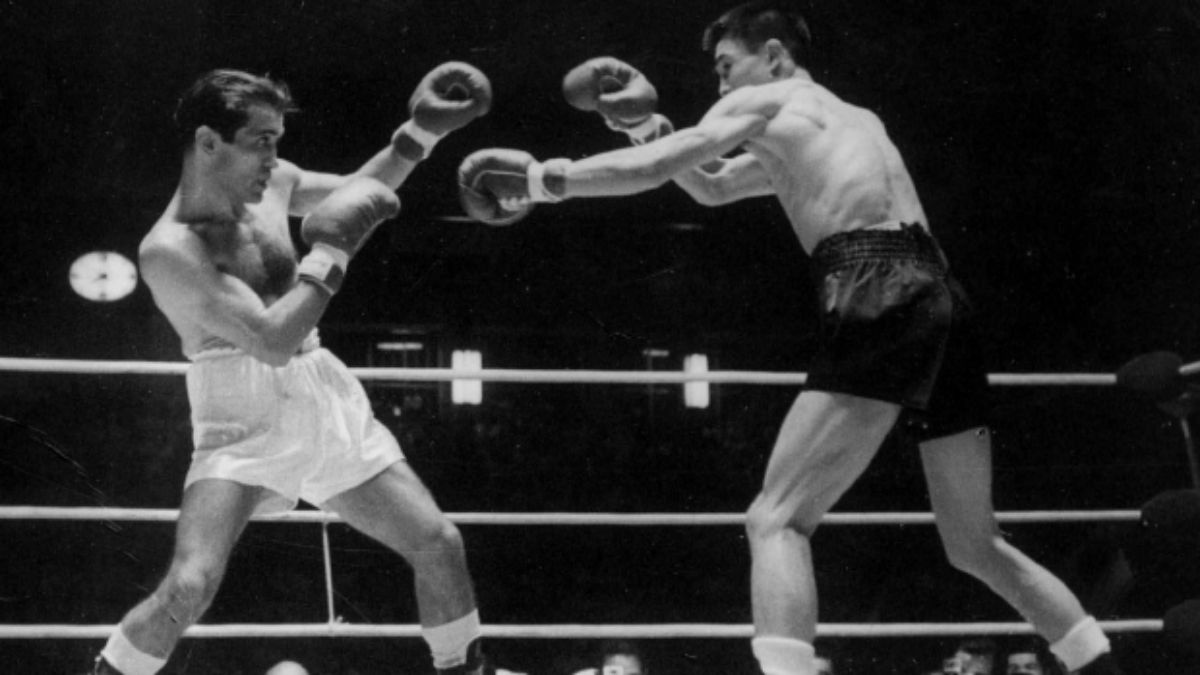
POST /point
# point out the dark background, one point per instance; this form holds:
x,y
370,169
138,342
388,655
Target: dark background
x,y
1056,147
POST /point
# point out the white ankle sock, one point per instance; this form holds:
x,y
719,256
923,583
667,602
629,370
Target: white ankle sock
x,y
122,655
783,656
448,642
1081,645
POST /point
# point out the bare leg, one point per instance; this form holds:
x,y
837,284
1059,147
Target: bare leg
x,y
958,470
396,509
825,443
211,518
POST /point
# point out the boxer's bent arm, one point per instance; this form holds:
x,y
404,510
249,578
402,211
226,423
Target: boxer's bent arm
x,y
388,167
308,188
644,167
225,306
312,187
727,180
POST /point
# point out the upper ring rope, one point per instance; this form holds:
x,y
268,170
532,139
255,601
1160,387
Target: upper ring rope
x,y
86,367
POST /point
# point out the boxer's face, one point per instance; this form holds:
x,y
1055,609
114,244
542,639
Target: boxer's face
x,y
736,66
244,165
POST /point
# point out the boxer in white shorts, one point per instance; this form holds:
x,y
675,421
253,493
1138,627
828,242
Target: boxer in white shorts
x,y
304,431
276,418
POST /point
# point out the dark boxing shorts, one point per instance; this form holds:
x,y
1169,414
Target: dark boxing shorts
x,y
895,326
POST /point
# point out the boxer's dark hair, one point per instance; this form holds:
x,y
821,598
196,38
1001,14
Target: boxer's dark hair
x,y
220,99
755,22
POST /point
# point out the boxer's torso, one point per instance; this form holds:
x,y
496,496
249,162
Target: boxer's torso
x,y
256,248
832,165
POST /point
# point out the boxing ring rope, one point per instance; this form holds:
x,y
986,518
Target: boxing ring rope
x,y
85,367
335,627
76,513
569,631
1190,369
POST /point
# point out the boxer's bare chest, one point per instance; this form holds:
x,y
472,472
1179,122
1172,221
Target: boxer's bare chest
x,y
256,250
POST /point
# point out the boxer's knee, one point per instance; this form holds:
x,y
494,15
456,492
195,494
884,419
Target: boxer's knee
x,y
438,543
975,553
767,518
446,539
189,589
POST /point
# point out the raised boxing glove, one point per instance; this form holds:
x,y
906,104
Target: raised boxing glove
x,y
339,225
620,93
446,99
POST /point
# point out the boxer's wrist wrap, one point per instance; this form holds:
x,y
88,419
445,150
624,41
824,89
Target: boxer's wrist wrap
x,y
548,180
325,267
413,142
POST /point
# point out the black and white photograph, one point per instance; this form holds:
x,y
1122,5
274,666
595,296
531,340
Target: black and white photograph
x,y
599,337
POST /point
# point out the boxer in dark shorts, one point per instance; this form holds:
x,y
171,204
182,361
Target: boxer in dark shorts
x,y
896,337
896,326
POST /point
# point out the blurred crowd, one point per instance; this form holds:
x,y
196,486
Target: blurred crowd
x,y
1024,655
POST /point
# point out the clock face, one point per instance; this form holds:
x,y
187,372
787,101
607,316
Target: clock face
x,y
103,276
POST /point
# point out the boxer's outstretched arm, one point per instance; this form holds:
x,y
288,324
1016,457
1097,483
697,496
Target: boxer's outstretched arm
x,y
726,180
641,168
496,185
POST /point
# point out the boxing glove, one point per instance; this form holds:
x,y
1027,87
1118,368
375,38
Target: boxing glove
x,y
499,186
620,93
446,99
339,225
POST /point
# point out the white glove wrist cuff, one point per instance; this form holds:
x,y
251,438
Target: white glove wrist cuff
x,y
425,138
324,266
536,176
645,131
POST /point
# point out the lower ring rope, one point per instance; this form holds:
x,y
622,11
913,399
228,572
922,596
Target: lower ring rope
x,y
571,519
336,628
571,631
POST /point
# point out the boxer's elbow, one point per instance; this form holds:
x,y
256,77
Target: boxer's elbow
x,y
708,193
705,188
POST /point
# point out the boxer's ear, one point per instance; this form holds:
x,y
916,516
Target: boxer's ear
x,y
776,54
205,139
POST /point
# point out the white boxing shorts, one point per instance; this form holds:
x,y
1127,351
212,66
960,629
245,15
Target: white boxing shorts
x,y
303,431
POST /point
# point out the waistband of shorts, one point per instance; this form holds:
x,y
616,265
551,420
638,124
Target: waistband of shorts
x,y
218,348
904,241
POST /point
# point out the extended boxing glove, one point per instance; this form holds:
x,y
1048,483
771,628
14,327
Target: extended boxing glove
x,y
499,186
